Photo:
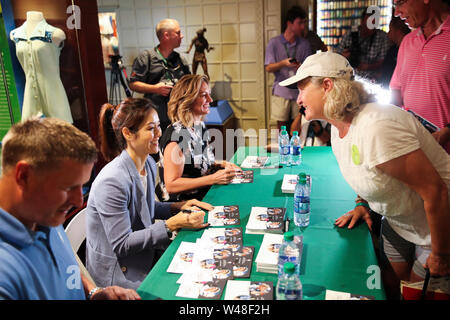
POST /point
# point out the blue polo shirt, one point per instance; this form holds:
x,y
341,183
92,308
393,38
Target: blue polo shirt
x,y
37,265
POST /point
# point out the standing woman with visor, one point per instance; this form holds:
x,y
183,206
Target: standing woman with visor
x,y
389,159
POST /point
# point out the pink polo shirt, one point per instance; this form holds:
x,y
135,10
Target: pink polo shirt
x,y
422,74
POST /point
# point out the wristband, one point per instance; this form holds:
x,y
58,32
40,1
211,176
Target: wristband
x,y
93,291
363,204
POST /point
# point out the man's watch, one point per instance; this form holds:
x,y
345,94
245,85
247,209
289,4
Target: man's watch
x,y
93,291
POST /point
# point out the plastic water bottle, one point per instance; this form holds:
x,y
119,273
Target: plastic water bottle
x,y
302,202
282,128
288,252
289,286
284,148
296,149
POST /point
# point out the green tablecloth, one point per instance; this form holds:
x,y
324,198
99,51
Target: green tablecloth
x,y
333,258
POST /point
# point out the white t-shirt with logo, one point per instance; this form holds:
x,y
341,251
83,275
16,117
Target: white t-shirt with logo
x,y
380,133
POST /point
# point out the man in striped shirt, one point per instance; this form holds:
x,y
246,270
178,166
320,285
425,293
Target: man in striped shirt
x,y
421,80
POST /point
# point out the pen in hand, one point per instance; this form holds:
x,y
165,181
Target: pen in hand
x,y
286,225
189,211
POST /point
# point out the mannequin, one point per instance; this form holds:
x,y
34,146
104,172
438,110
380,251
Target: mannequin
x,y
33,19
38,46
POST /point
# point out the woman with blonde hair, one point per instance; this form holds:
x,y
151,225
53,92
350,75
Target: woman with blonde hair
x,y
391,161
190,167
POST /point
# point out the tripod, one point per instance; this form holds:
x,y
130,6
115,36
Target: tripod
x,y
118,74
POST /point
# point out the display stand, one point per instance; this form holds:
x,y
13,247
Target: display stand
x,y
221,117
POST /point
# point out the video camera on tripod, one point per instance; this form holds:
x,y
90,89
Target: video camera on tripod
x,y
118,74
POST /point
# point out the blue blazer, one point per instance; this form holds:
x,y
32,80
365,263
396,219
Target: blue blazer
x,y
123,239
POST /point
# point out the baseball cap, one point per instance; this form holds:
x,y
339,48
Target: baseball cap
x,y
321,64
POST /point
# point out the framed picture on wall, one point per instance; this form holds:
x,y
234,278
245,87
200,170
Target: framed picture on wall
x,y
109,36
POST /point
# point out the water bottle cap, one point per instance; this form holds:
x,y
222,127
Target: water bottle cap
x,y
289,268
283,132
283,128
295,133
289,236
302,177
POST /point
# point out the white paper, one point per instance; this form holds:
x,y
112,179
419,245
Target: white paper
x,y
237,290
189,290
217,217
289,183
258,222
336,295
182,259
254,162
268,252
198,270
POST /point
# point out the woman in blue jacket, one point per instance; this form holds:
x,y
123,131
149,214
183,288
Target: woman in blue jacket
x,y
123,238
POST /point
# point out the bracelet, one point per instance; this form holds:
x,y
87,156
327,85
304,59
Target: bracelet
x,y
169,233
359,199
363,204
93,291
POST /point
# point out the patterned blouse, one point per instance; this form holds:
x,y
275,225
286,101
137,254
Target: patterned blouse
x,y
199,159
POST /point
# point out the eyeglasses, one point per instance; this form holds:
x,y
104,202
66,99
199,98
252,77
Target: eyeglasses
x,y
399,3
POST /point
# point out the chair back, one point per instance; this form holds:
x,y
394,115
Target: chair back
x,y
76,230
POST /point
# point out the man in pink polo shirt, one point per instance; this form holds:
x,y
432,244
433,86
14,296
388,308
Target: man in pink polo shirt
x,y
421,80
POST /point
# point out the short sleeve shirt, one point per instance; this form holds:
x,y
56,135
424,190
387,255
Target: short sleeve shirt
x,y
279,49
197,151
380,133
37,265
373,48
422,74
149,67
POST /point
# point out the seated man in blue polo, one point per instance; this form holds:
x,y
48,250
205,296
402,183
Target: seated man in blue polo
x,y
45,163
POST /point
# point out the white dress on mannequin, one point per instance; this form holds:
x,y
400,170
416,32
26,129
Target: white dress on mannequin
x,y
38,46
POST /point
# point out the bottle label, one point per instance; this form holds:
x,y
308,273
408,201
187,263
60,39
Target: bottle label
x,y
296,206
293,294
283,259
284,150
304,208
301,204
294,258
296,150
304,200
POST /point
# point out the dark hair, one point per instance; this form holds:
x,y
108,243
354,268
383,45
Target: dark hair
x,y
130,113
294,13
364,13
399,24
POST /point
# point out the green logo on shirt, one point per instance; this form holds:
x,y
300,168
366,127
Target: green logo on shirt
x,y
355,155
